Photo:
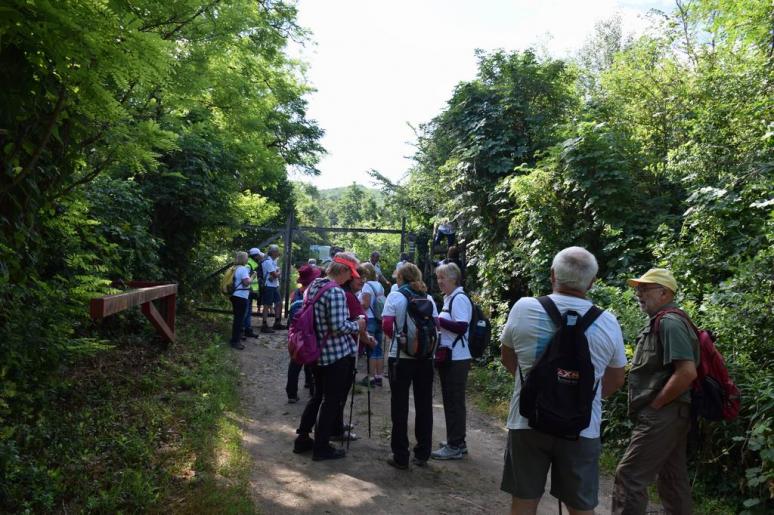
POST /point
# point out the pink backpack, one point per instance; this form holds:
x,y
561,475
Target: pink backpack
x,y
303,346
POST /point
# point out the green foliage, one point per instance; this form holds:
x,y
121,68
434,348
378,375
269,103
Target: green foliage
x,y
492,386
659,154
353,206
136,141
125,425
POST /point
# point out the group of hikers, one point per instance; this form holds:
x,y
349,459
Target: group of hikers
x,y
255,277
557,347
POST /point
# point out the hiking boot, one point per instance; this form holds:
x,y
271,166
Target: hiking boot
x,y
376,381
419,462
366,381
250,334
293,400
237,346
266,329
279,327
400,466
447,452
462,447
331,453
302,444
343,436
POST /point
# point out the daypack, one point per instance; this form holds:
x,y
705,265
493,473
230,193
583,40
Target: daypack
x,y
558,394
227,284
479,330
714,396
419,337
296,303
377,303
303,346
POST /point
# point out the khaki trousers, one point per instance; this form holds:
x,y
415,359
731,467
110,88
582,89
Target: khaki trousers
x,y
657,449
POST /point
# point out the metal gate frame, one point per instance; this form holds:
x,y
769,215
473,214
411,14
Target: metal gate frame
x,y
290,228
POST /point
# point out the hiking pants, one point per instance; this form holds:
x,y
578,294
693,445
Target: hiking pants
x,y
332,383
658,448
238,306
454,380
249,313
405,373
294,370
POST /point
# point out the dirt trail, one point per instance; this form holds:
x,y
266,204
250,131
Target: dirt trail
x,y
284,482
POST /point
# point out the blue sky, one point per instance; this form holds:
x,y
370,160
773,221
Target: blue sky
x,y
380,67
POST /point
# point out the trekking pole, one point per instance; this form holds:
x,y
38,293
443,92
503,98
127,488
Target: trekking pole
x,y
368,374
351,404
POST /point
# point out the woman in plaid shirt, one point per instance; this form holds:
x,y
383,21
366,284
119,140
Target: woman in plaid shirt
x,y
333,372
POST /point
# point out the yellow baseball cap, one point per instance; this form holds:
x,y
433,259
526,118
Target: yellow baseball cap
x,y
660,276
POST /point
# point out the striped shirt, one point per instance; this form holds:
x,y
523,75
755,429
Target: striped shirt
x,y
331,324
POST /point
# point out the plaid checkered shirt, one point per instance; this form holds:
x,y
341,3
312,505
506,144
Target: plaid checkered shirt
x,y
331,321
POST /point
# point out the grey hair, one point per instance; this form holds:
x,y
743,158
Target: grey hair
x,y
450,270
575,267
240,258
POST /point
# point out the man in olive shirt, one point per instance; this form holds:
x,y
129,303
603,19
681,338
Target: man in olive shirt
x,y
663,368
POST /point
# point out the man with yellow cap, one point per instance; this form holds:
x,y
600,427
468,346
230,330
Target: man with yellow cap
x,y
663,368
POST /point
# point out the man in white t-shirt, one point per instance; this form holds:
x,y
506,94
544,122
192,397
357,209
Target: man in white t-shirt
x,y
270,297
574,464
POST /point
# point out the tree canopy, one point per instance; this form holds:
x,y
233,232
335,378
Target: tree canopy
x,y
136,140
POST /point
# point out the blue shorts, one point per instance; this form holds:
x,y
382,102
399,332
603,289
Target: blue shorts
x,y
270,295
374,328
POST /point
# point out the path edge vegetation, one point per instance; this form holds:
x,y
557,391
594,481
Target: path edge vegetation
x,y
140,427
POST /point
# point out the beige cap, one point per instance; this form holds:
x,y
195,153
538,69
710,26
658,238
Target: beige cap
x,y
660,276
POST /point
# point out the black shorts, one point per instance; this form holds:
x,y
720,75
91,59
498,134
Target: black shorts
x,y
270,295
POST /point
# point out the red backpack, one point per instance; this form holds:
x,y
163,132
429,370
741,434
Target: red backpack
x,y
303,346
714,396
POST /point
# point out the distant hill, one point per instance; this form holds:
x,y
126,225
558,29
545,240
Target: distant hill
x,y
336,193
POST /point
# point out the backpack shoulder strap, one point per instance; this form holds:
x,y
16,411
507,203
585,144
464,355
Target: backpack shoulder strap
x,y
321,291
472,307
373,297
679,312
551,309
460,337
589,318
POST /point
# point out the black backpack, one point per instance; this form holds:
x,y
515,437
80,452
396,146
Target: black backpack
x,y
560,388
479,330
419,337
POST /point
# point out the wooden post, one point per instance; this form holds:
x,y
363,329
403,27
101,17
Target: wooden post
x,y
288,263
402,235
